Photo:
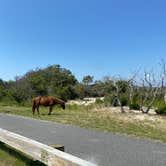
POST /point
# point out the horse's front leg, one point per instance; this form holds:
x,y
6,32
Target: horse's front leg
x,y
33,109
50,110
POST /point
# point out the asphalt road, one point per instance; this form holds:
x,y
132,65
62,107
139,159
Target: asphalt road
x,y
103,149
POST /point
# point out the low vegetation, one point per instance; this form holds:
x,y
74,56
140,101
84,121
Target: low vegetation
x,y
134,106
10,157
161,110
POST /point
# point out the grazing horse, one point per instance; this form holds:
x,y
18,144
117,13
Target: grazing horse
x,y
46,101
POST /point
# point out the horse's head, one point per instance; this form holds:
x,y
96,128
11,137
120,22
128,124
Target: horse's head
x,y
59,102
63,105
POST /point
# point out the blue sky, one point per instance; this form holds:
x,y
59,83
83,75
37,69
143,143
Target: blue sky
x,y
93,37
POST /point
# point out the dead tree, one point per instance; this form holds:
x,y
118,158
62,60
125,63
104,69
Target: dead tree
x,y
132,86
117,93
149,91
163,78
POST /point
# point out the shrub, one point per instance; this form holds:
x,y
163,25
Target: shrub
x,y
124,100
159,102
161,110
134,106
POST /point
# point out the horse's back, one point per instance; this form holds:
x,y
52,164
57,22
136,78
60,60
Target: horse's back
x,y
36,98
47,100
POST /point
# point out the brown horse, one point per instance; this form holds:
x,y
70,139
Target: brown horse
x,y
46,101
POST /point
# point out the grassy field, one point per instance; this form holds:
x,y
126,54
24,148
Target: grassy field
x,y
9,157
100,118
6,159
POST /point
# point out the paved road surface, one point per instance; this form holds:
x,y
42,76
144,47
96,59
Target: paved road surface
x,y
104,149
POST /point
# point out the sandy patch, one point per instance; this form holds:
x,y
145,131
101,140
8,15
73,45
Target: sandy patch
x,y
134,116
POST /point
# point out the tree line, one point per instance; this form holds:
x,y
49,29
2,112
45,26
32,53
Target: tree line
x,y
54,80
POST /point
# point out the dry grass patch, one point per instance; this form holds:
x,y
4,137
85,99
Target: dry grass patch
x,y
151,120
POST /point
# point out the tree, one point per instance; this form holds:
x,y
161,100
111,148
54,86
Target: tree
x,y
163,78
2,87
119,89
80,91
87,80
148,91
52,80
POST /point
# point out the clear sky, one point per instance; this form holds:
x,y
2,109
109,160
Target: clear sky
x,y
96,37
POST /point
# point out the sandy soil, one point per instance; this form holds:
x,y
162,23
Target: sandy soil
x,y
151,118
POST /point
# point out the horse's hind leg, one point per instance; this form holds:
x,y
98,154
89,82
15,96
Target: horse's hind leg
x,y
33,109
38,110
50,110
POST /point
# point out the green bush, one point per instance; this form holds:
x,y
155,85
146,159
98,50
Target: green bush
x,y
159,102
161,110
134,106
124,100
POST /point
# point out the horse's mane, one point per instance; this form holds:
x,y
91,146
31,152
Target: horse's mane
x,y
58,100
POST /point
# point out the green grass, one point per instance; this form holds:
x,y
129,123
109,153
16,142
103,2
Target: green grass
x,y
10,157
85,117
